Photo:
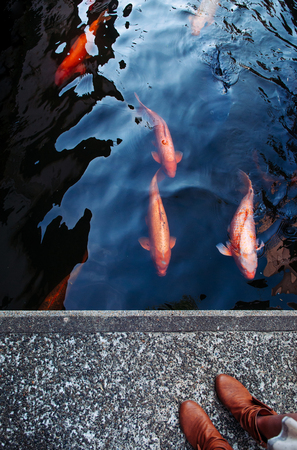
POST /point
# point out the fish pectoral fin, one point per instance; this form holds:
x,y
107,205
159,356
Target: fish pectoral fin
x,y
145,243
178,156
156,157
224,250
80,68
172,241
259,246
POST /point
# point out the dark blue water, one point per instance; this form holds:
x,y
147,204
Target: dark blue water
x,y
77,163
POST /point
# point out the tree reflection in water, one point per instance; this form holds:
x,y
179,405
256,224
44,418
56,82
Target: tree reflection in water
x,y
34,175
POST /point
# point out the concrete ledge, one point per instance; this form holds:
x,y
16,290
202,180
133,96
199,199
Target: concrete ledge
x,y
145,321
89,380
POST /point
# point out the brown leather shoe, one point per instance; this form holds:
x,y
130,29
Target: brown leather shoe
x,y
199,429
244,407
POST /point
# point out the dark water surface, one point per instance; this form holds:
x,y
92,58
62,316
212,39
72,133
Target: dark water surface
x,y
76,160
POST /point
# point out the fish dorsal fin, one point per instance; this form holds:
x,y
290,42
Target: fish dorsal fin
x,y
165,129
156,157
224,250
172,241
178,156
145,243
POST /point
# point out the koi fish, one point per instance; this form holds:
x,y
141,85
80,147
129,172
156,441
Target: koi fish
x,y
204,15
73,63
159,242
243,245
55,299
166,155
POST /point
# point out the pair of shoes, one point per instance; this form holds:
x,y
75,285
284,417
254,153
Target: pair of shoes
x,y
200,431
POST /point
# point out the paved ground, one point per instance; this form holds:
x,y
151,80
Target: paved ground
x,y
80,381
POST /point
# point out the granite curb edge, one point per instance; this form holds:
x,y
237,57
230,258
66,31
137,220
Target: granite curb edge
x,y
146,321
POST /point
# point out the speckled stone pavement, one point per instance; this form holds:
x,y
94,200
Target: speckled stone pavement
x,y
114,380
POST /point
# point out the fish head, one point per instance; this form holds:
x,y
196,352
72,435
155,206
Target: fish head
x,y
162,266
162,263
247,264
162,272
249,275
170,168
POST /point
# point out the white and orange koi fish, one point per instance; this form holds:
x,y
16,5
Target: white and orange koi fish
x,y
159,242
166,155
204,15
243,245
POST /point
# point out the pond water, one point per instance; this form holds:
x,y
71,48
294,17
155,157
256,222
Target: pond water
x,y
77,161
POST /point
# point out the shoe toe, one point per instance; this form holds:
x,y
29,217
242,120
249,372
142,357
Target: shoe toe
x,y
199,429
189,417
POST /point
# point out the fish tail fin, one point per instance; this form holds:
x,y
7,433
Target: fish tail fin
x,y
160,175
246,180
103,16
144,108
141,108
140,103
94,25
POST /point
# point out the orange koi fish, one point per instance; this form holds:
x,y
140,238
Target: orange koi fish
x,y
159,242
243,245
73,63
55,299
204,15
166,155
